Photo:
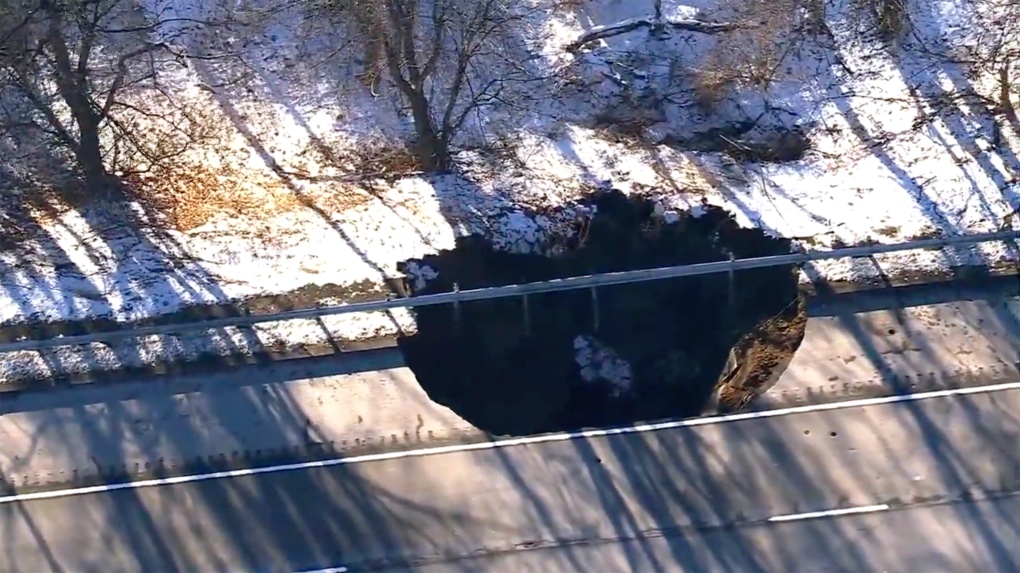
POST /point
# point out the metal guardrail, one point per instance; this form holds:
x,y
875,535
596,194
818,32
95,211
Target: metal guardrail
x,y
556,285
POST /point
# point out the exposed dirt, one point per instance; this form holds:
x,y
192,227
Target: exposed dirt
x,y
760,356
510,368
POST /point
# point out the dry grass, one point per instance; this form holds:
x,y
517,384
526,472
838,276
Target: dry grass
x,y
626,128
570,6
188,200
711,86
339,197
745,58
753,56
624,133
187,196
380,159
184,199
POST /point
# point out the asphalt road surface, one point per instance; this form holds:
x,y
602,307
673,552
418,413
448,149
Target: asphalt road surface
x,y
949,538
698,497
857,346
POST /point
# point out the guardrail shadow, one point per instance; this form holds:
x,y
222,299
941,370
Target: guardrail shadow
x,y
990,312
828,302
903,340
239,377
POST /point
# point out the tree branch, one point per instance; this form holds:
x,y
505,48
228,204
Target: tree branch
x,y
13,31
481,99
122,71
42,107
439,37
89,35
622,27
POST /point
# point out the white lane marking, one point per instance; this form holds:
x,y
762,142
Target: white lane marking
x,y
327,570
508,443
830,513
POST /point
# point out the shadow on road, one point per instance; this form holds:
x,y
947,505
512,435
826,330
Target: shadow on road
x,y
446,509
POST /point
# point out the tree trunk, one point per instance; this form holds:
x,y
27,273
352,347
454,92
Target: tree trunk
x,y
1005,103
90,159
432,151
73,86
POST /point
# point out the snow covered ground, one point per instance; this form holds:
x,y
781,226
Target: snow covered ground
x,y
272,202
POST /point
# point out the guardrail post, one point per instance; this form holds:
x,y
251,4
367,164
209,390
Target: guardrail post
x,y
595,309
456,309
527,316
732,287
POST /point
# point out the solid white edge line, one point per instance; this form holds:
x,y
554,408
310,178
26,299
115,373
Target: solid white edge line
x,y
327,570
507,443
829,513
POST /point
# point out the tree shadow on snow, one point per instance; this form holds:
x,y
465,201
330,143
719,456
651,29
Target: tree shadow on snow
x,y
924,81
98,265
972,122
161,426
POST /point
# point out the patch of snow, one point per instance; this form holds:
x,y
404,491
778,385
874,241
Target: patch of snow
x,y
601,364
420,274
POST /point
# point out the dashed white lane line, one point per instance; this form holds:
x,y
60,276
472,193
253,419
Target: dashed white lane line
x,y
829,513
508,443
777,519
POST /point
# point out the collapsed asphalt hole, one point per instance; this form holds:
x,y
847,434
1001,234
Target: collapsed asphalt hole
x,y
661,349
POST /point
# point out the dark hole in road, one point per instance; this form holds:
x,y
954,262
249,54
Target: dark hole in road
x,y
682,338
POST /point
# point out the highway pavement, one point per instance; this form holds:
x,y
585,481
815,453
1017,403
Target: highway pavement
x,y
935,474
856,346
978,536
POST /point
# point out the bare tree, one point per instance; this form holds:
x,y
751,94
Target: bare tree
x,y
447,58
67,66
757,50
985,43
994,49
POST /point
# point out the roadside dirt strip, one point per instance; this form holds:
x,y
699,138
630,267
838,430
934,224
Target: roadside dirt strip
x,y
857,346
